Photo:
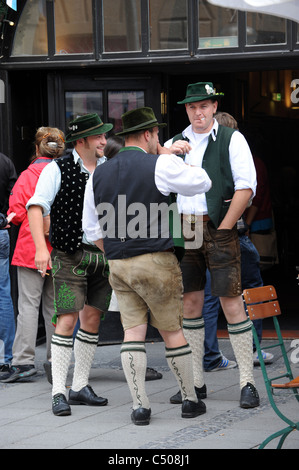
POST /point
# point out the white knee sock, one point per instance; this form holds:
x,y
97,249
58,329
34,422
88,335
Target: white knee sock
x,y
194,332
84,350
240,335
180,362
134,362
61,352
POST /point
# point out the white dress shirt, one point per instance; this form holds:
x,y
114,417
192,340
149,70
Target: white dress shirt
x,y
241,161
172,175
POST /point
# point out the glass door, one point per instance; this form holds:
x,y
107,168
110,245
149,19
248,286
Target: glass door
x,y
78,103
109,97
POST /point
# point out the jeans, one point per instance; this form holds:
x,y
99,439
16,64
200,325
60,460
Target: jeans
x,y
7,316
251,277
250,273
212,356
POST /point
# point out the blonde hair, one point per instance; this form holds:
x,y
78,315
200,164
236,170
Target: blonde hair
x,y
50,142
226,120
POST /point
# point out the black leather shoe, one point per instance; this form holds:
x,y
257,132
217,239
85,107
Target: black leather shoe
x,y
86,396
190,409
200,393
249,396
60,406
141,416
152,374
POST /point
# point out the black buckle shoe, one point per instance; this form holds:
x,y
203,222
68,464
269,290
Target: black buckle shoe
x,y
141,416
201,393
86,396
60,406
190,409
249,396
152,374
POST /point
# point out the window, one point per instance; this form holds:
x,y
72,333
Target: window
x,y
218,27
265,29
31,34
119,102
168,24
83,102
122,25
78,103
73,26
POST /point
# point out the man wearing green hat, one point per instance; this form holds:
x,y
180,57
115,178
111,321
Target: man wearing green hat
x,y
225,155
79,268
144,268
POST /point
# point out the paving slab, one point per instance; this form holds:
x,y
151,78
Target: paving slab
x,y
27,421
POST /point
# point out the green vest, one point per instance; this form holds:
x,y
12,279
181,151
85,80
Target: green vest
x,y
217,165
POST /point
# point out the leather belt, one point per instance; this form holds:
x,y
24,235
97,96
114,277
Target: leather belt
x,y
93,248
192,218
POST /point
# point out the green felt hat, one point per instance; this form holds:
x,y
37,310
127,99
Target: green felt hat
x,y
84,126
138,120
200,91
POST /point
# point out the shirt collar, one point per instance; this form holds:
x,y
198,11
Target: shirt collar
x,y
132,147
213,132
78,159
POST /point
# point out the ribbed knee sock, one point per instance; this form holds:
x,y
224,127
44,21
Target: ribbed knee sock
x,y
134,362
194,332
61,352
240,335
84,350
180,363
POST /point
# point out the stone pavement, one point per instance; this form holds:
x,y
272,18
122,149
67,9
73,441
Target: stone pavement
x,y
27,422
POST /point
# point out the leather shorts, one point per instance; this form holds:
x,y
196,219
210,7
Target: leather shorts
x,y
220,253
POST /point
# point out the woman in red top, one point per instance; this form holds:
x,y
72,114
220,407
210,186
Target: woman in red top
x,y
34,290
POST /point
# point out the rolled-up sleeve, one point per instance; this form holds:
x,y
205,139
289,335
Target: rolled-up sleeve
x,y
173,175
242,164
90,220
46,189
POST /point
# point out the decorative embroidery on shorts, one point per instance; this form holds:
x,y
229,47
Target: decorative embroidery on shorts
x,y
55,266
80,270
65,298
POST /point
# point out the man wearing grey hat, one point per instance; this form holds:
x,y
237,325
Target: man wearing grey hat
x,y
141,250
79,268
225,155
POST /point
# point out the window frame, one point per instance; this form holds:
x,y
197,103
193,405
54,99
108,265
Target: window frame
x,y
99,57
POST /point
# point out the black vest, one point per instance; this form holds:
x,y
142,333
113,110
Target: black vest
x,y
127,179
66,212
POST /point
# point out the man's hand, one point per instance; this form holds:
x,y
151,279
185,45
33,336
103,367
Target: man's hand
x,y
42,260
163,150
180,147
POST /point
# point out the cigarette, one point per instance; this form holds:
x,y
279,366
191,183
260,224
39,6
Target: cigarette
x,y
40,271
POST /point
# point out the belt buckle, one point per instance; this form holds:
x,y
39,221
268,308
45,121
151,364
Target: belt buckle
x,y
191,218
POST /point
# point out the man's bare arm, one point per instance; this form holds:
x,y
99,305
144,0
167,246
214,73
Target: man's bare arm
x,y
36,224
237,207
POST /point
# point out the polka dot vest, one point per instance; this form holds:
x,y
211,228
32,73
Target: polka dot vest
x,y
66,212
